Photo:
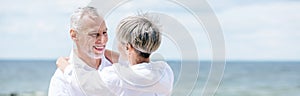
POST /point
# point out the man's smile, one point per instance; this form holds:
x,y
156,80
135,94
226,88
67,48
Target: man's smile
x,y
99,48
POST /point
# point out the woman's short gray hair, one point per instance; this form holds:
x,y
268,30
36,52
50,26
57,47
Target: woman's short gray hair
x,y
76,17
139,31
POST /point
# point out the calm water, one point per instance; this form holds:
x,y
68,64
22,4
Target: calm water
x,y
240,78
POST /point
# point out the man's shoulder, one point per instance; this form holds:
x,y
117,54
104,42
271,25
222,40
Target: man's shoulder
x,y
108,70
63,75
109,75
58,73
57,78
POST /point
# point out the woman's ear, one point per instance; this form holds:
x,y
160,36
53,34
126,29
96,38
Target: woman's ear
x,y
73,35
129,47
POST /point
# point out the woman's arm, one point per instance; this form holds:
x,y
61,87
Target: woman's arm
x,y
112,56
62,63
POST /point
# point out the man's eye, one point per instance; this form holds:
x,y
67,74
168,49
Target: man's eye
x,y
104,33
94,35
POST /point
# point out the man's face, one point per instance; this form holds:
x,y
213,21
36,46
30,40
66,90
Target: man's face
x,y
92,38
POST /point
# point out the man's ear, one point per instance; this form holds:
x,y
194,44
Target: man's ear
x,y
73,34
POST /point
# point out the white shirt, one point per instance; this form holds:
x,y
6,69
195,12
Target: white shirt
x,y
145,79
78,79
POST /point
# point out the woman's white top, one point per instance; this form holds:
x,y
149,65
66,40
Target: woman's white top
x,y
145,79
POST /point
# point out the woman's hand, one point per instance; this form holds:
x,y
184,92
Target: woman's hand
x,y
112,56
62,63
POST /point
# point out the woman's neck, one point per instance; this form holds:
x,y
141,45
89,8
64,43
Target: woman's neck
x,y
139,60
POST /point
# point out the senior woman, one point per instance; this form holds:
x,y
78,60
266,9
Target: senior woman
x,y
135,74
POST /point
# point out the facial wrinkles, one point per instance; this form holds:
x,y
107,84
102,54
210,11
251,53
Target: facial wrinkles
x,y
88,42
102,38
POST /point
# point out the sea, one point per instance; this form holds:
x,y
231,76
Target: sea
x,y
239,78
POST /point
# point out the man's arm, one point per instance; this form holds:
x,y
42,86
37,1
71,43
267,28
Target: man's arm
x,y
112,56
58,84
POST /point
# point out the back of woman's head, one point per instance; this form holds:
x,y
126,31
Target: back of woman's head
x,y
142,33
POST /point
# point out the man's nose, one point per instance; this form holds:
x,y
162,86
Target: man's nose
x,y
100,39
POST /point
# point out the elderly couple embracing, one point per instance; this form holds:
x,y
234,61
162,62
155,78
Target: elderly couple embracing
x,y
91,70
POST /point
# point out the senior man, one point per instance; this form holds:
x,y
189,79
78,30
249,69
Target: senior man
x,y
89,33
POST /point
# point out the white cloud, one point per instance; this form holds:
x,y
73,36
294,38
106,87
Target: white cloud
x,y
33,30
258,30
181,15
262,31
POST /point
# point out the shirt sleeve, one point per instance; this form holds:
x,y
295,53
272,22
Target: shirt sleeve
x,y
58,84
110,79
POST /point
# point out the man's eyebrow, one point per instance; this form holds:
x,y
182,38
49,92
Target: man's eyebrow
x,y
93,31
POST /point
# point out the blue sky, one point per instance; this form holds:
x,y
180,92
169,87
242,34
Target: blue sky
x,y
253,29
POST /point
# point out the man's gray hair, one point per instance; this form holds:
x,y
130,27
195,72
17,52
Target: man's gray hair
x,y
76,17
141,32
